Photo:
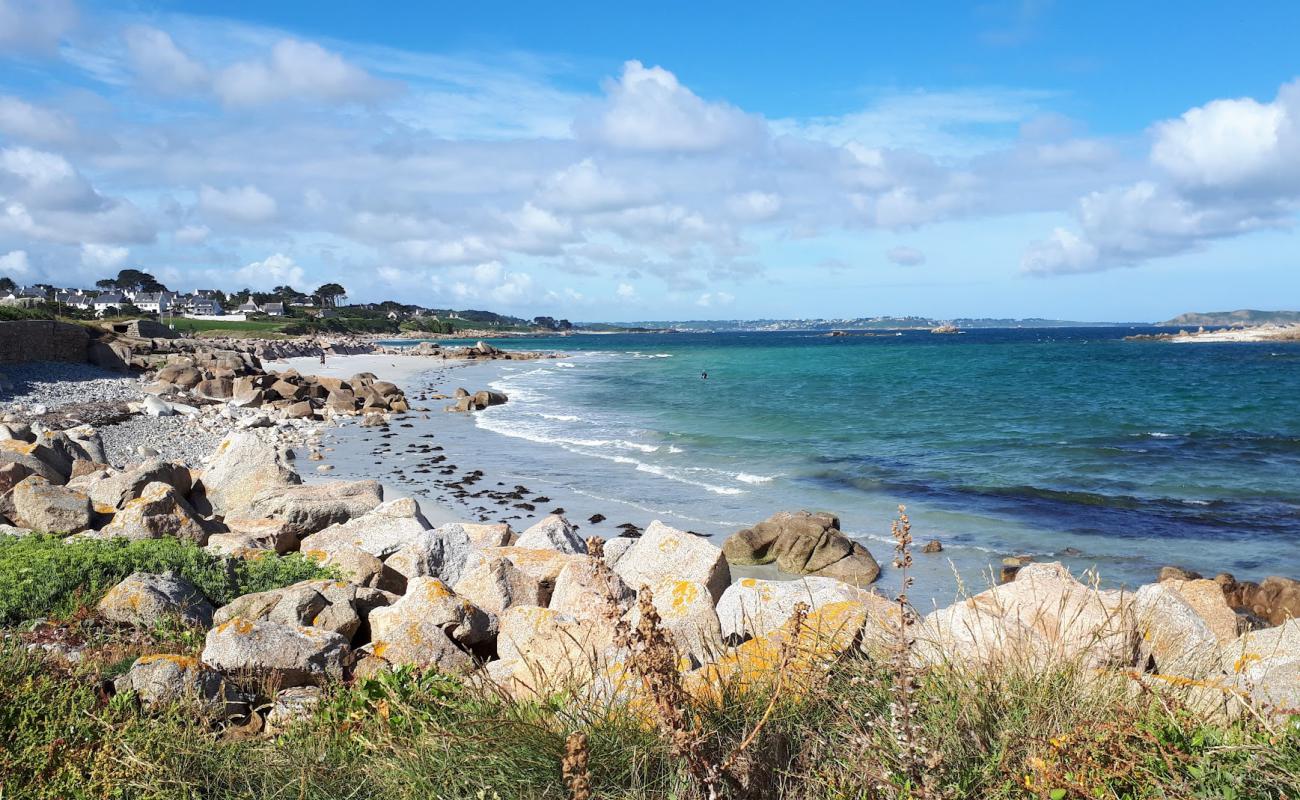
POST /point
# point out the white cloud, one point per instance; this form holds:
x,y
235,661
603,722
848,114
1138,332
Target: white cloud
x,y
15,264
648,109
712,299
103,256
754,206
1229,167
905,256
297,71
1231,144
34,26
44,197
491,282
626,291
160,63
584,187
272,271
191,234
22,120
238,203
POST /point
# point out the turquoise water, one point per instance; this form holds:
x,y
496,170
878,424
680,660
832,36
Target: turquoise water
x,y
1071,443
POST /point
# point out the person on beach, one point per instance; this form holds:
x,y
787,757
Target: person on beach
x,y
322,358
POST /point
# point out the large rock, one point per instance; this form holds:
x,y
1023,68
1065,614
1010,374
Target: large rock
x,y
326,604
1174,639
686,611
164,679
752,607
314,507
1274,600
381,532
587,587
254,535
1075,620
287,655
803,543
429,627
145,599
544,651
156,514
117,490
1207,600
481,534
38,458
359,567
443,554
11,474
543,564
972,636
665,553
1265,664
243,469
554,533
496,584
43,506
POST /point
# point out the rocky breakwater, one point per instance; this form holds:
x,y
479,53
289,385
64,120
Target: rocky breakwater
x,y
294,395
479,351
544,611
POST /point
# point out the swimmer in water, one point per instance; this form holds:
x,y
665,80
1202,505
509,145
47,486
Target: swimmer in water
x,y
704,376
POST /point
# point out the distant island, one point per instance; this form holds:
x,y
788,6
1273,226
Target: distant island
x,y
1244,316
860,324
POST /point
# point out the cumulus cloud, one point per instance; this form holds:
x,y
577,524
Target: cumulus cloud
x,y
905,256
246,204
648,109
625,291
297,70
492,282
103,256
191,234
272,271
28,122
1225,168
1234,144
34,26
43,196
15,264
160,63
584,187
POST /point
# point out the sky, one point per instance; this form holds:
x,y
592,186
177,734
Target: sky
x,y
613,161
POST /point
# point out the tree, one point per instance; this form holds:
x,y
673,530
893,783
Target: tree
x,y
106,283
330,294
7,285
141,281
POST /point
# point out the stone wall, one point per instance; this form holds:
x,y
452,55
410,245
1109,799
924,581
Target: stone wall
x,y
42,340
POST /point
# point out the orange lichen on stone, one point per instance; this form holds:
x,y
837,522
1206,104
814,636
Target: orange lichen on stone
x,y
184,662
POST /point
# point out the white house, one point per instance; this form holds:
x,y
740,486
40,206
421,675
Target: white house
x,y
107,300
151,302
273,309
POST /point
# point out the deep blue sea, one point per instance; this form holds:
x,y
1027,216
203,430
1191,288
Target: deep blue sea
x,y
1062,443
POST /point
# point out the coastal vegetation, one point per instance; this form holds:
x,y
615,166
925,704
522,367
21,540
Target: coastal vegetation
x,y
869,726
1244,316
46,576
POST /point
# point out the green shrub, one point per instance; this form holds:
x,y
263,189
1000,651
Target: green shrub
x,y
43,576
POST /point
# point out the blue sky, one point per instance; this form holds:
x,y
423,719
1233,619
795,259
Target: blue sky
x,y
602,161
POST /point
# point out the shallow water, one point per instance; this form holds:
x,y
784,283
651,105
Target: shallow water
x,y
1070,444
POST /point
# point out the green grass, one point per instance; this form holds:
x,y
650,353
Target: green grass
x,y
44,576
186,325
1059,733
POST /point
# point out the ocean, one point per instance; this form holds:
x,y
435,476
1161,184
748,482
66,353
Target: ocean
x,y
1068,444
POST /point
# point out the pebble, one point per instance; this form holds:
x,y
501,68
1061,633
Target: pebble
x,y
54,384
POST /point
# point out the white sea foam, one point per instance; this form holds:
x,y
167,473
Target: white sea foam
x,y
745,477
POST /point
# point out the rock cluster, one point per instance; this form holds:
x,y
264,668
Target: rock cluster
x,y
464,401
803,543
542,611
